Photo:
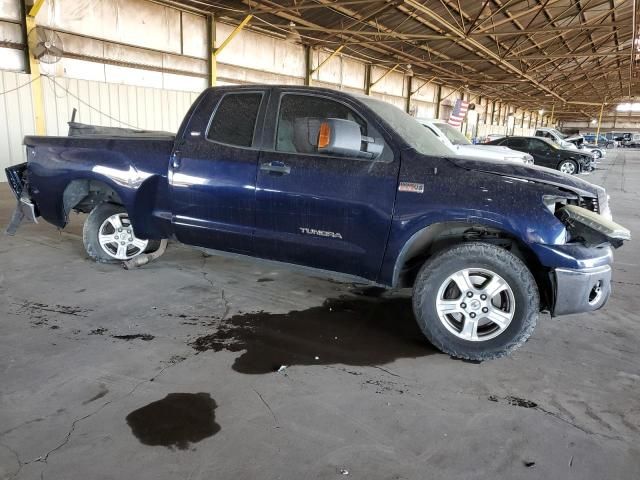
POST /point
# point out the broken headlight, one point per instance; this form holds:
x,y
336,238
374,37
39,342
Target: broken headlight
x,y
592,228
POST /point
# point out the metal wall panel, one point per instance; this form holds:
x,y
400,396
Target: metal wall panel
x,y
98,103
16,117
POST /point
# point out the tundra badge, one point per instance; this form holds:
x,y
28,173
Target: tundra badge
x,y
320,233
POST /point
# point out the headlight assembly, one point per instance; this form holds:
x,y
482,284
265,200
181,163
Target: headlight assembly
x,y
554,202
592,228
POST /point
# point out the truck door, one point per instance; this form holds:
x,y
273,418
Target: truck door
x,y
320,210
212,173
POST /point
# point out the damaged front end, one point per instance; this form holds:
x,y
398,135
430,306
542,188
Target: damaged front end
x,y
25,208
591,233
592,229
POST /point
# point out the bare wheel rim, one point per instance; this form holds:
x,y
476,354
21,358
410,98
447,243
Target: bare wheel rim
x,y
567,167
475,304
116,238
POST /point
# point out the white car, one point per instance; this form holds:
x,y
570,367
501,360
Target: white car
x,y
460,145
562,140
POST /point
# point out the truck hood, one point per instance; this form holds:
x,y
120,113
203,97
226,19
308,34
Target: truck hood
x,y
534,174
493,152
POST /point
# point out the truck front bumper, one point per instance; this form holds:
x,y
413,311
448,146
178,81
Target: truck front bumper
x,y
578,291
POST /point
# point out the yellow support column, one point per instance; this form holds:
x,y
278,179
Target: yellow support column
x,y
34,69
216,51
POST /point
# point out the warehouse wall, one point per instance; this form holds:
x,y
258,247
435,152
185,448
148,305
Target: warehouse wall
x,y
96,102
114,75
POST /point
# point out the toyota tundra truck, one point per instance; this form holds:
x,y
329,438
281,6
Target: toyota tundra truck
x,y
346,186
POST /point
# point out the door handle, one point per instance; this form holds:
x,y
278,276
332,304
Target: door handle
x,y
175,160
276,167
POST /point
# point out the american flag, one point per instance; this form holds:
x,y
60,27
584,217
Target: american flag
x,y
459,111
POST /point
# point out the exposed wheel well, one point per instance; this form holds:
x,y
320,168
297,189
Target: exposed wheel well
x,y
84,195
440,236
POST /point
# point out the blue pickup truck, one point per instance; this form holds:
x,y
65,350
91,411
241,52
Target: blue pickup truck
x,y
344,185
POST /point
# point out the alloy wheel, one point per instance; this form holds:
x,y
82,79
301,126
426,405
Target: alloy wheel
x,y
475,304
117,239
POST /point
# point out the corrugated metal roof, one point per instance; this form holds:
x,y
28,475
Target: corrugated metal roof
x,y
532,53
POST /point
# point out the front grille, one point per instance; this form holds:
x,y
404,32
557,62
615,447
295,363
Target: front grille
x,y
590,203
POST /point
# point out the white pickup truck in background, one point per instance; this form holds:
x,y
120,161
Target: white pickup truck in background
x,y
460,145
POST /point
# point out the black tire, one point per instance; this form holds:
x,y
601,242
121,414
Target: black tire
x,y
515,273
571,162
92,226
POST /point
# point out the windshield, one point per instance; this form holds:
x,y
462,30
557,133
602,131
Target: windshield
x,y
549,142
412,132
560,135
455,136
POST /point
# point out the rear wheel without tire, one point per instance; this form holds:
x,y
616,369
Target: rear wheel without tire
x,y
108,235
476,301
568,166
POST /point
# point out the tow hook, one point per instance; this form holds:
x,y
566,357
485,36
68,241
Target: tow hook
x,y
145,258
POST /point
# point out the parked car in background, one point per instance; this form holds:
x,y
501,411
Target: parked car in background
x,y
633,141
563,141
493,136
603,141
460,145
619,137
548,154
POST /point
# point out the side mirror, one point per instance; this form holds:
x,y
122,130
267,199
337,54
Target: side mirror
x,y
342,137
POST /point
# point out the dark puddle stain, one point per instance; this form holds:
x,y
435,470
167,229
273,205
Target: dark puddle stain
x,y
372,292
103,391
515,401
356,331
98,331
135,336
262,280
529,464
176,421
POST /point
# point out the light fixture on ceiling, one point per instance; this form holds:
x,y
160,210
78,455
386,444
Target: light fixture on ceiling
x,y
293,35
593,121
409,70
541,111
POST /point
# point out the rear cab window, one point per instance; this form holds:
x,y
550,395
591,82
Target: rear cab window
x,y
234,119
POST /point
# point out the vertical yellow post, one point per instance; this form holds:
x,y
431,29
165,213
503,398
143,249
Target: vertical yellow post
x,y
34,69
599,123
216,51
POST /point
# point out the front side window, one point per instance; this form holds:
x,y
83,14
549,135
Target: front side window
x,y
299,121
234,121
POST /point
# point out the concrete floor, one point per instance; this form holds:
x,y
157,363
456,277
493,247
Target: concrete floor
x,y
162,373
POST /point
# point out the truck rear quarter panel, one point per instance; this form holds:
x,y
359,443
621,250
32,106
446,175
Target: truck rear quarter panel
x,y
124,164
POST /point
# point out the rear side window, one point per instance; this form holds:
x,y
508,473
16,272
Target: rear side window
x,y
518,143
234,121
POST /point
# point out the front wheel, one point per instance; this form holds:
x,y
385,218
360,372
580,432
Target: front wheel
x,y
568,166
476,301
108,235
597,154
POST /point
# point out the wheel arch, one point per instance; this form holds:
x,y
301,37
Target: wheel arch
x,y
83,194
439,236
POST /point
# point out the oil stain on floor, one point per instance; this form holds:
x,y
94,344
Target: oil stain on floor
x,y
176,421
368,329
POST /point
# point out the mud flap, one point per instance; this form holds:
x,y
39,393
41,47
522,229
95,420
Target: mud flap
x,y
24,209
